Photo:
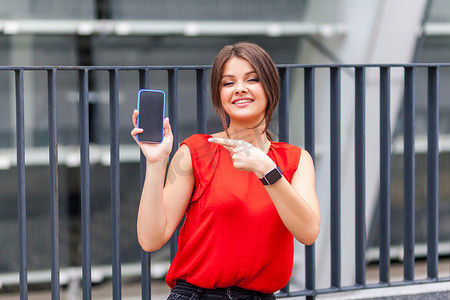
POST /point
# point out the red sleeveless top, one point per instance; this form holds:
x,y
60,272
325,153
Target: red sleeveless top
x,y
232,234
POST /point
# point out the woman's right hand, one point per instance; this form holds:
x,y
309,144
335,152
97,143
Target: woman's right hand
x,y
154,152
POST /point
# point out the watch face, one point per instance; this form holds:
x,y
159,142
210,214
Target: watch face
x,y
273,176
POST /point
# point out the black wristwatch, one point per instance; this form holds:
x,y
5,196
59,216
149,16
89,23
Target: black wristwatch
x,y
272,176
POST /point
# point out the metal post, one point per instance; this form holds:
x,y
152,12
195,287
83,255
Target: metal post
x,y
433,174
385,174
283,106
310,258
145,256
283,119
21,191
335,147
360,183
85,184
173,116
54,184
115,182
201,101
409,174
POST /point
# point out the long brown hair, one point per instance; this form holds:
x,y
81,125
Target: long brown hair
x,y
264,68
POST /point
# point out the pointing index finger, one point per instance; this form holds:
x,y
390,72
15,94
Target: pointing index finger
x,y
224,142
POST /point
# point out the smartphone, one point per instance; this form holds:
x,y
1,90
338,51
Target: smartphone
x,y
151,107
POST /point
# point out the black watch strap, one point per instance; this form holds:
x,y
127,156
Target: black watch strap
x,y
272,176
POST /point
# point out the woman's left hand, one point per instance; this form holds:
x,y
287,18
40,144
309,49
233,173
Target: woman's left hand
x,y
246,157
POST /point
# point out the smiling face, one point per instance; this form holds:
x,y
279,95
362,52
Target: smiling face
x,y
256,60
241,93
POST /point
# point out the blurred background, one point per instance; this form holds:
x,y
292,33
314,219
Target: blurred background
x,y
176,32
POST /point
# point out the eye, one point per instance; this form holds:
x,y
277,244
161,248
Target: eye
x,y
227,83
253,80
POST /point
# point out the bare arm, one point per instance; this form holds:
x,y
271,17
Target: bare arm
x,y
161,208
297,202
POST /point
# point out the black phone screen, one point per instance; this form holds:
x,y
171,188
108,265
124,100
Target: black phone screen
x,y
151,104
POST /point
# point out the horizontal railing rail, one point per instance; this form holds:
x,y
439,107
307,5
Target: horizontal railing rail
x,y
357,71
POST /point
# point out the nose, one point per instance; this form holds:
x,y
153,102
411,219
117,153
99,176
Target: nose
x,y
240,88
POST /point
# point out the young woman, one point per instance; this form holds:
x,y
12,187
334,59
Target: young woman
x,y
245,196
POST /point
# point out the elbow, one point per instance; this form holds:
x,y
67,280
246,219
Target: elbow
x,y
148,246
311,235
313,232
310,241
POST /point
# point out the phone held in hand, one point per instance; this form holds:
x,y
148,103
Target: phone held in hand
x,y
151,107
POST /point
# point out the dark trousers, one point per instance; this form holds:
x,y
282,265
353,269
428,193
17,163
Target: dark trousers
x,y
186,291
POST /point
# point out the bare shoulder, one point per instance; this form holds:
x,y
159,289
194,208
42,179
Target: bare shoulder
x,y
183,151
305,165
306,157
183,157
181,165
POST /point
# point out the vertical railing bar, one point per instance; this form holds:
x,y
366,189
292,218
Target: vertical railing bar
x,y
310,110
173,117
385,175
85,184
283,120
433,173
145,256
54,184
283,106
201,101
21,191
309,82
335,173
115,181
409,175
173,105
360,199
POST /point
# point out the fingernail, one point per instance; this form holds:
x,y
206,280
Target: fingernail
x,y
211,140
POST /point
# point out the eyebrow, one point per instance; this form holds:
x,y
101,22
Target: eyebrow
x,y
248,73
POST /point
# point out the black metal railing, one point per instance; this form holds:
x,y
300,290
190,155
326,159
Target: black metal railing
x,y
309,75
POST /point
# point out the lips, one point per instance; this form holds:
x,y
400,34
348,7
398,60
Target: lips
x,y
242,101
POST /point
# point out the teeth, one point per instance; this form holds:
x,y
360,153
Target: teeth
x,y
243,101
